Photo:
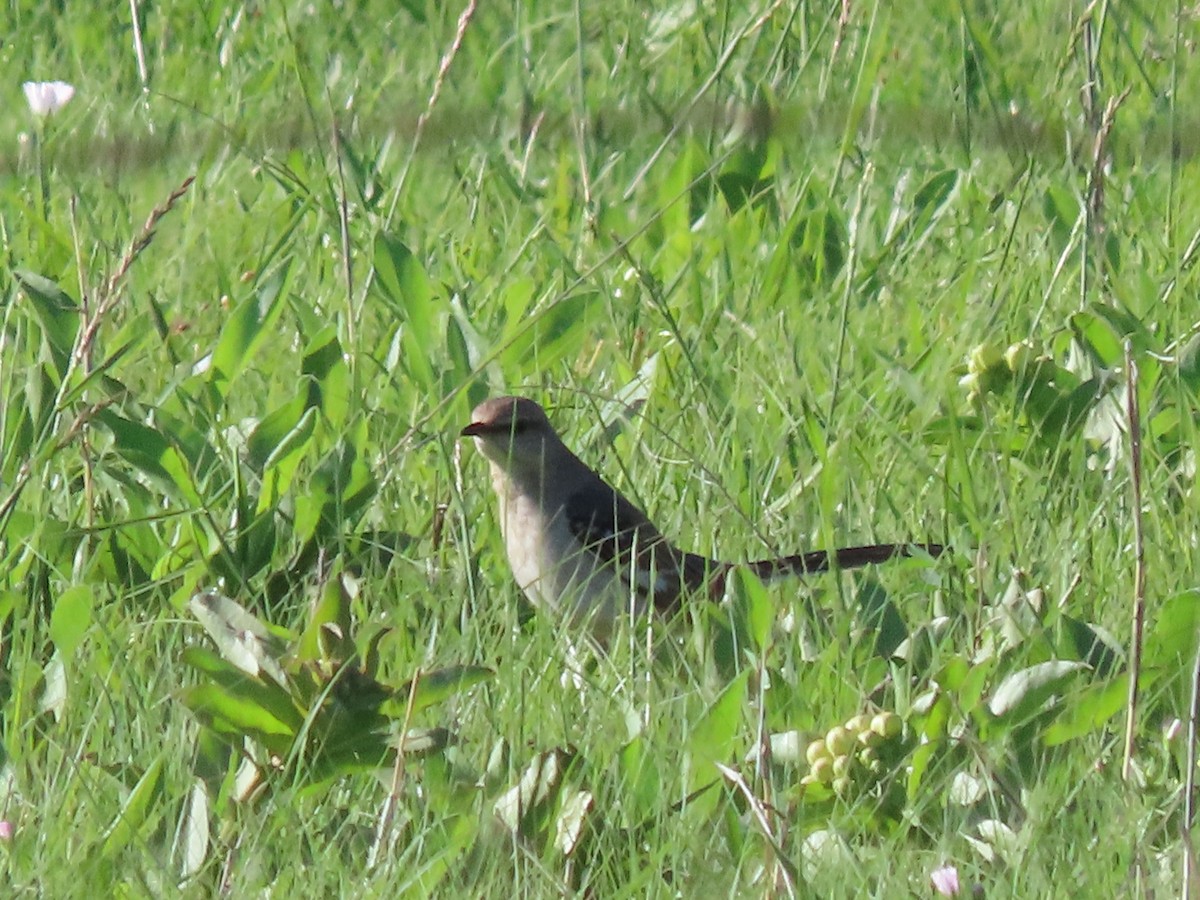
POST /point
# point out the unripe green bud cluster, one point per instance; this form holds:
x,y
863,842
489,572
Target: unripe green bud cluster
x,y
848,757
990,371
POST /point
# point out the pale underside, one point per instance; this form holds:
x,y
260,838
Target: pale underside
x,y
570,577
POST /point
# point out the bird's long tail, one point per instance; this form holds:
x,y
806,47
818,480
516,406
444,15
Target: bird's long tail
x,y
842,558
701,573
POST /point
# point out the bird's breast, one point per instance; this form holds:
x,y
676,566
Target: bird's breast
x,y
550,565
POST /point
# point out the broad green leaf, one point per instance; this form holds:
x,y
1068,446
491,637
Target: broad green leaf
x,y
516,297
685,193
970,694
71,618
712,738
553,333
343,740
237,715
473,342
358,742
739,180
936,190
274,429
370,656
1023,692
1098,338
935,720
402,280
436,686
953,674
340,488
1102,329
641,781
150,452
327,635
1089,711
458,352
215,759
1039,392
252,322
460,833
1172,639
186,429
944,429
929,202
1070,412
822,245
278,444
1126,324
755,604
56,543
133,436
325,363
748,170
1093,645
1188,361
9,600
918,764
287,453
128,555
57,312
274,699
1062,208
135,812
878,614
241,638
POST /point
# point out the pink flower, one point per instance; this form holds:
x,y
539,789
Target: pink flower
x,y
945,881
47,97
6,830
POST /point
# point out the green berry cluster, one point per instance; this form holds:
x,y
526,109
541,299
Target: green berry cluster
x,y
850,754
989,370
1047,401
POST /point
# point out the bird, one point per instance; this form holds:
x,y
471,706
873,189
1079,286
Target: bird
x,y
580,549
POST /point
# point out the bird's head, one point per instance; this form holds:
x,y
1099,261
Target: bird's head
x,y
510,431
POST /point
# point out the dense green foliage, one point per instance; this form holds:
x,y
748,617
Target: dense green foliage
x,y
745,254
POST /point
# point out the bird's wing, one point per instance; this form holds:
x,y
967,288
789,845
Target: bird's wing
x,y
620,536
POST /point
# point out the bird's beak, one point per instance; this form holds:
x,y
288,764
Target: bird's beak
x,y
472,430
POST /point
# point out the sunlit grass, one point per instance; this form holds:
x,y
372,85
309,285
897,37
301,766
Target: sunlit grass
x,y
777,236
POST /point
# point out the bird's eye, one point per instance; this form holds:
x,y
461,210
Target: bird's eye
x,y
519,427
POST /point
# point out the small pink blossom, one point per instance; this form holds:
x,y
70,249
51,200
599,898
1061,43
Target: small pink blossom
x,y
6,830
945,881
48,97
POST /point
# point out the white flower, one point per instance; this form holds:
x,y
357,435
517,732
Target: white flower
x,y
945,881
48,97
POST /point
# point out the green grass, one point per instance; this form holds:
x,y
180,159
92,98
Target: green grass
x,y
778,236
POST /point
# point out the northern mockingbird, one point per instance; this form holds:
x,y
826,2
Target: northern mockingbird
x,y
577,546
